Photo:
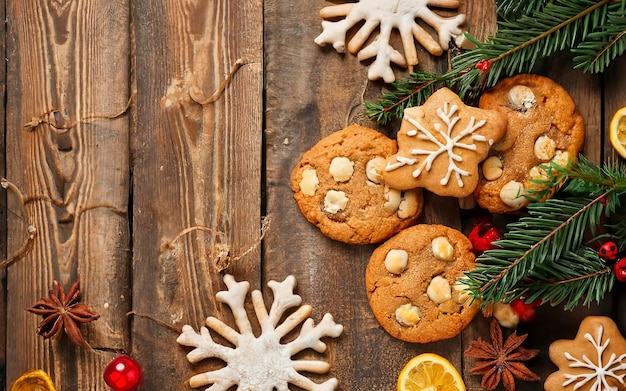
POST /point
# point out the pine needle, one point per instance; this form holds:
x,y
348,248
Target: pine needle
x,y
595,31
545,255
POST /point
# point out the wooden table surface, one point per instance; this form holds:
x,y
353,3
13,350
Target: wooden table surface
x,y
148,196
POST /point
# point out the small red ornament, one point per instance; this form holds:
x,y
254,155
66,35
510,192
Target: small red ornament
x,y
525,312
620,270
123,374
483,235
483,65
608,251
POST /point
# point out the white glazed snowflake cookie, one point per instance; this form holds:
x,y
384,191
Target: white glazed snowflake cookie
x,y
388,15
261,363
440,145
594,360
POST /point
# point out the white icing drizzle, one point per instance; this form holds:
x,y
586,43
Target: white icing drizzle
x,y
449,117
400,161
599,371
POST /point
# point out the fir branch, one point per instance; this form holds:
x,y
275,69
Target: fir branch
x,y
585,279
553,228
602,46
539,32
518,45
411,92
513,9
545,255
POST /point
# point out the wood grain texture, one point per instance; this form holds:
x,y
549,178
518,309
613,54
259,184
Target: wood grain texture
x,y
152,206
65,56
3,209
197,171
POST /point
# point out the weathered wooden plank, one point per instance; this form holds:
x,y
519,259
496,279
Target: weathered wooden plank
x,y
72,58
197,171
3,210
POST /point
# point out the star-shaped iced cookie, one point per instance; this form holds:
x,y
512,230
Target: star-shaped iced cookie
x,y
440,145
594,360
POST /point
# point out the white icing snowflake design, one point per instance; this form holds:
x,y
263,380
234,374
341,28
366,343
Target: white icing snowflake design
x,y
599,371
389,15
261,363
449,117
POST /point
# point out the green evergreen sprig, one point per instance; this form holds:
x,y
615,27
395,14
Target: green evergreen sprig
x,y
545,255
593,30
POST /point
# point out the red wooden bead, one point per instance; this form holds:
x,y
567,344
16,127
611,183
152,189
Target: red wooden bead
x,y
483,235
620,270
608,251
123,374
525,312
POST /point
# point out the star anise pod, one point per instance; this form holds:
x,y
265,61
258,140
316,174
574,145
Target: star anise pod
x,y
63,311
500,361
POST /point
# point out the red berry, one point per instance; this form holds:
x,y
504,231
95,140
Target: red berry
x,y
483,235
620,270
483,65
608,251
123,374
525,312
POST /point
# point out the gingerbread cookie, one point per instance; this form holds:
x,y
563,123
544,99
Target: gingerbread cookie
x,y
543,126
339,188
412,283
440,145
594,360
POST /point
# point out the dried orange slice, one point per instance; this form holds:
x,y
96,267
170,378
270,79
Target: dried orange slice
x,y
429,371
617,130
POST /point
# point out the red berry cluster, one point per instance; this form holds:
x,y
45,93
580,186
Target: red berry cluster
x,y
609,251
525,312
483,235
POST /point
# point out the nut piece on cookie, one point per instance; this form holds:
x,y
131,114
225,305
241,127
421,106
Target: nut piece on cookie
x,y
544,126
439,290
441,144
396,261
339,188
341,169
425,301
594,360
407,314
308,183
442,249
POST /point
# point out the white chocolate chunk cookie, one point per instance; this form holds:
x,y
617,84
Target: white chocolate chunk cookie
x,y
543,126
339,187
413,287
440,145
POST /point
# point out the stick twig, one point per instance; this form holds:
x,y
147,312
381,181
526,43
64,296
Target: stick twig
x,y
197,95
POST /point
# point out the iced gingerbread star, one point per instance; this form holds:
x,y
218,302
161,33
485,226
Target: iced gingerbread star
x,y
440,145
388,15
261,363
595,360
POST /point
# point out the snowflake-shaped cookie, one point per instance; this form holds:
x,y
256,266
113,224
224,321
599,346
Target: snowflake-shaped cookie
x,y
440,145
261,363
594,361
389,15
